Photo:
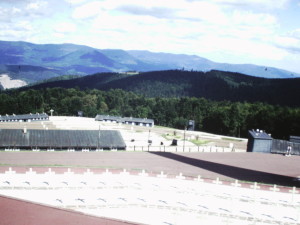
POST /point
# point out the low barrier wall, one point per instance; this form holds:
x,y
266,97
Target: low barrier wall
x,y
7,172
281,147
148,148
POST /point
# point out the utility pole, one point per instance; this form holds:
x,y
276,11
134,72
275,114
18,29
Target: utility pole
x,y
149,141
184,138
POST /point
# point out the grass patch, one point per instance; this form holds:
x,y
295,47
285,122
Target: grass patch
x,y
171,137
231,139
169,128
199,142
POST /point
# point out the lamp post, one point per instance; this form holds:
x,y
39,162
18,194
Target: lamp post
x,y
149,135
184,138
149,141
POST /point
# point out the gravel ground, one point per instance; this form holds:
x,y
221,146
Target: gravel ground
x,y
253,167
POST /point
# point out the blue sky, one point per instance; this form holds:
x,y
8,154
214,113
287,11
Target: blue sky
x,y
262,32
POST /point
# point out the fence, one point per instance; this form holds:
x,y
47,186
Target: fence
x,y
149,148
161,148
281,146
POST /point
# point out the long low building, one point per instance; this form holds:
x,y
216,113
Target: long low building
x,y
24,117
61,139
126,120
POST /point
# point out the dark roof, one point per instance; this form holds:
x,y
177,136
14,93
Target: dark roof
x,y
61,139
258,134
24,117
108,117
124,119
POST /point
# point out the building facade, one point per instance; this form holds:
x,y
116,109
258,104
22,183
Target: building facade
x,y
126,120
24,117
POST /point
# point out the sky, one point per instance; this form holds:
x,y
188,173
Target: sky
x,y
261,32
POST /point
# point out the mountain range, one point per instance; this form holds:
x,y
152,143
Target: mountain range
x,y
35,62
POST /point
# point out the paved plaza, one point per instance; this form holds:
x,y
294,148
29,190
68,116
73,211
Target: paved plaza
x,y
147,199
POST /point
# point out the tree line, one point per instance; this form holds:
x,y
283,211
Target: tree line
x,y
219,117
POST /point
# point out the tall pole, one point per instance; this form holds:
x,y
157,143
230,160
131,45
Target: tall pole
x,y
149,135
99,136
184,138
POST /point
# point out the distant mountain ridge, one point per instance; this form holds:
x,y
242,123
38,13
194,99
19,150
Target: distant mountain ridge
x,y
35,62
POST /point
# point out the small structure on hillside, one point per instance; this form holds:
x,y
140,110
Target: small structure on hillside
x,y
24,117
191,125
130,72
126,120
259,141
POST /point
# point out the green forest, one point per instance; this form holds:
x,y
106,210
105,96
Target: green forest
x,y
214,85
220,117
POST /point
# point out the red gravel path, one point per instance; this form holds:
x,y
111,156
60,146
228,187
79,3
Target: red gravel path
x,y
256,167
18,212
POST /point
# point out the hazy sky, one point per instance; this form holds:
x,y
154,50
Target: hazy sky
x,y
263,32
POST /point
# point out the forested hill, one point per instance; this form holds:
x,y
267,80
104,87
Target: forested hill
x,y
213,85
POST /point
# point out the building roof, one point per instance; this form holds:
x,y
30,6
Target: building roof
x,y
61,139
259,134
124,119
24,117
108,117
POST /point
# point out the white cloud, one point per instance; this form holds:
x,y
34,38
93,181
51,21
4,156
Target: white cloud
x,y
175,9
15,1
180,23
22,30
87,10
25,12
289,43
249,18
295,33
203,11
75,2
248,25
34,6
270,4
59,35
15,10
65,27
